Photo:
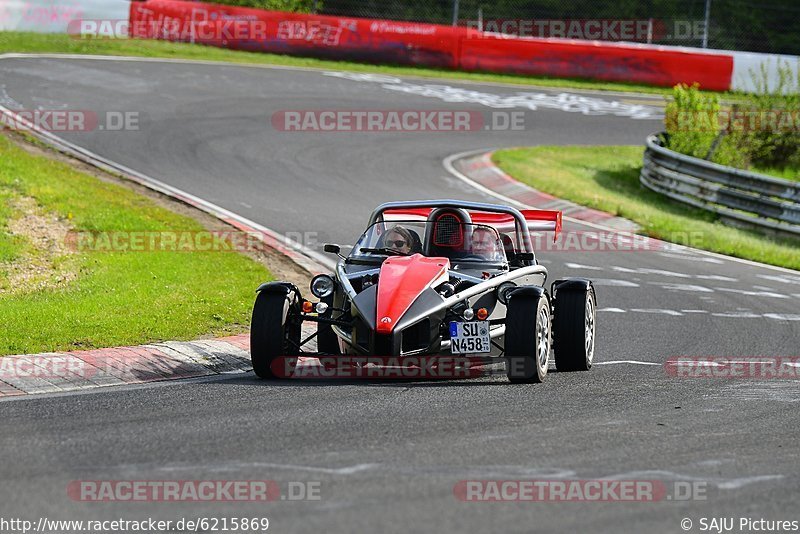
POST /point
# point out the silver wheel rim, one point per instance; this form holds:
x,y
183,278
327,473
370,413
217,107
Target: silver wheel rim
x,y
543,338
589,327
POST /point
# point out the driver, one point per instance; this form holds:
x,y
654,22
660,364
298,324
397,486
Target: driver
x,y
400,239
484,243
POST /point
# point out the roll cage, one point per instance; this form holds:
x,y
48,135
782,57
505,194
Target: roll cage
x,y
502,218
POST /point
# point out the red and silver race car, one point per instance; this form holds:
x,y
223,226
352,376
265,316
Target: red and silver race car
x,y
435,278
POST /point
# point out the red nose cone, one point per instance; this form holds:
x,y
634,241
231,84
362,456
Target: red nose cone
x,y
401,281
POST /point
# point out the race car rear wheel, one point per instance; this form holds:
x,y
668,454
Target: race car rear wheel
x,y
574,328
275,333
527,337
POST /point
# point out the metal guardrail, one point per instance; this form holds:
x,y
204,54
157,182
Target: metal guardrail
x,y
740,196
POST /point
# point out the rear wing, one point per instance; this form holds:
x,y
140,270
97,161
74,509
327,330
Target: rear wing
x,y
535,220
543,221
502,218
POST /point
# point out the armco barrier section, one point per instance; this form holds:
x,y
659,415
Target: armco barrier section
x,y
431,45
738,195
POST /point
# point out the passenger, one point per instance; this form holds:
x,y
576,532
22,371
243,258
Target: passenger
x,y
402,240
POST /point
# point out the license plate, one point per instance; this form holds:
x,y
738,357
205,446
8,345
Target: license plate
x,y
472,337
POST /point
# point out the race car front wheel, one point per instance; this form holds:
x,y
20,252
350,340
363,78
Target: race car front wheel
x,y
527,338
574,328
275,334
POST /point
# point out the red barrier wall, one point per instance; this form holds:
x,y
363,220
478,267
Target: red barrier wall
x,y
292,33
589,59
383,41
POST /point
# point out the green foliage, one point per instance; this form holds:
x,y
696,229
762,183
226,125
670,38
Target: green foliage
x,y
775,144
297,6
761,130
691,120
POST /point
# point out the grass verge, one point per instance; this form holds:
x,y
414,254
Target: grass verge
x,y
91,299
607,178
25,42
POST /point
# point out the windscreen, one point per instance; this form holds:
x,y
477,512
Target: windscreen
x,y
446,237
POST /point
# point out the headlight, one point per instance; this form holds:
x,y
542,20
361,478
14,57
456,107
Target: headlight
x,y
322,286
503,291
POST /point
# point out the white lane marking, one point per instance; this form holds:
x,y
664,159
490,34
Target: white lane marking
x,y
717,277
784,279
737,483
693,258
782,316
719,482
579,266
730,315
7,101
351,470
765,288
631,362
643,270
529,100
693,363
613,282
752,293
683,287
672,313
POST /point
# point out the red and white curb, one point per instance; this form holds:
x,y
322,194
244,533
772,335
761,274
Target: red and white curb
x,y
56,372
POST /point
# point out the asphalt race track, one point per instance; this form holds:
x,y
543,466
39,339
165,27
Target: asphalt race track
x,y
387,455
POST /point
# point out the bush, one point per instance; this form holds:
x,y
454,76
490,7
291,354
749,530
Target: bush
x,y
761,130
298,6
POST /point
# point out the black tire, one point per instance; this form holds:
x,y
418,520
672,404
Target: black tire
x,y
274,332
527,338
574,320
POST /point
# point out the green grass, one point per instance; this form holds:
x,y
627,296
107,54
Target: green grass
x,y
787,173
607,178
24,42
10,245
117,298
